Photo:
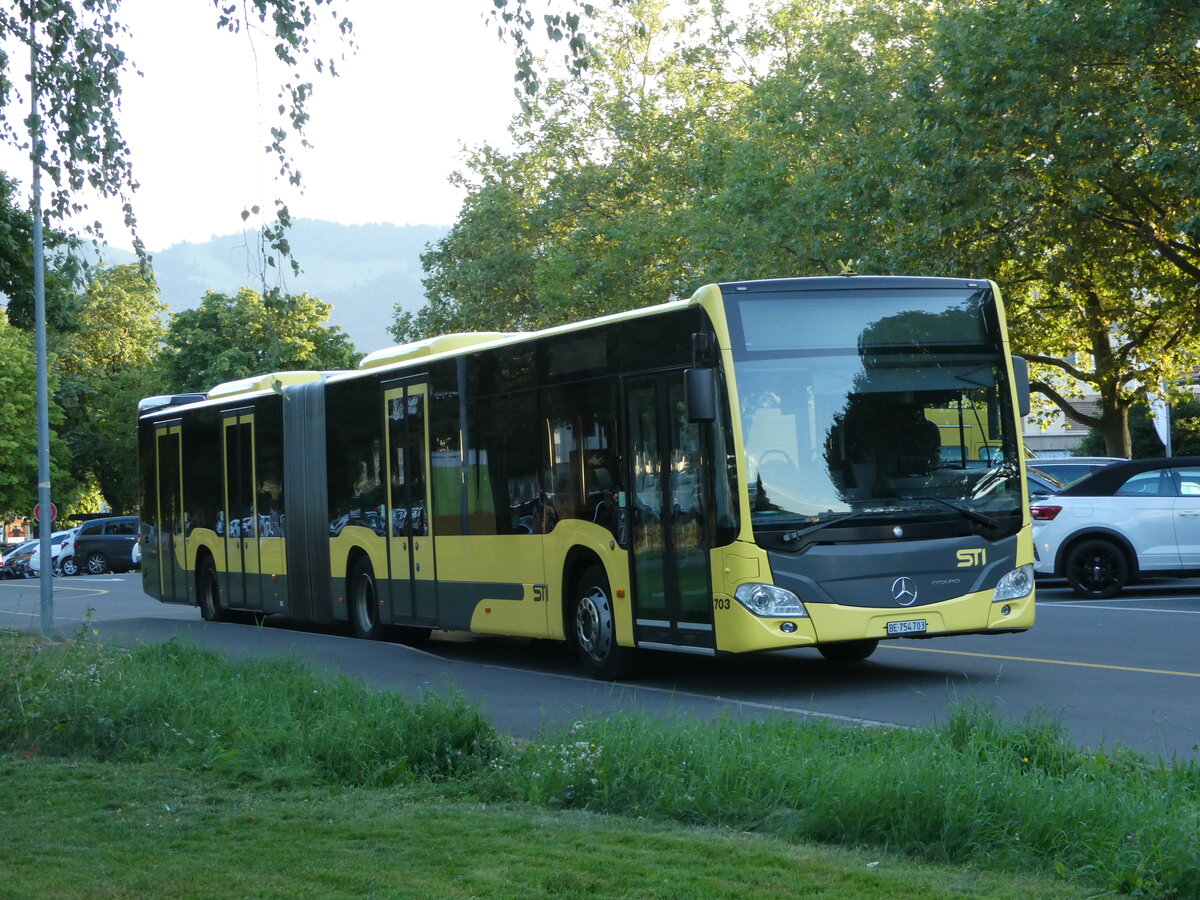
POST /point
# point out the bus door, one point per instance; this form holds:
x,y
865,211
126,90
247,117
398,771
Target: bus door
x,y
168,552
410,539
668,495
243,589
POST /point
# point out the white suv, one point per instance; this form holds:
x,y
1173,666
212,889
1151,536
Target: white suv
x,y
1140,517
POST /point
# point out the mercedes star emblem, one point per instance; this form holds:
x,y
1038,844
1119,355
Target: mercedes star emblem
x,y
904,591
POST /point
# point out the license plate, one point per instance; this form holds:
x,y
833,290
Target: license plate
x,y
908,626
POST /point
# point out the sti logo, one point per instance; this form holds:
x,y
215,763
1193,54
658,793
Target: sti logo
x,y
969,558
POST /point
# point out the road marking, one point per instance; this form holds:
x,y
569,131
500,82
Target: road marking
x,y
1089,605
1048,662
73,590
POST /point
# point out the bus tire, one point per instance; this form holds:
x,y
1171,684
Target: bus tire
x,y
594,630
848,651
208,589
363,596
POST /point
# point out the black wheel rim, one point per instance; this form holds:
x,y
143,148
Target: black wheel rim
x,y
1097,569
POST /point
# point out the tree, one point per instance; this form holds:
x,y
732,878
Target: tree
x,y
107,365
16,266
80,68
590,214
1095,131
18,441
1145,442
18,437
227,338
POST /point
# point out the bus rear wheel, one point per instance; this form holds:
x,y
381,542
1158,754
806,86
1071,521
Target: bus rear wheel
x,y
848,651
364,601
208,587
594,628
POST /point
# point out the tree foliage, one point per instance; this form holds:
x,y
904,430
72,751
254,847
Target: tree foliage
x,y
105,366
77,48
16,267
1046,143
18,440
590,214
227,338
18,429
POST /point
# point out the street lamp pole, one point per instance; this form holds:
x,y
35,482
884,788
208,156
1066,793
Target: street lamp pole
x,y
45,520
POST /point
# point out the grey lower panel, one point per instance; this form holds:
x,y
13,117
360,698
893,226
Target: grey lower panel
x,y
456,602
869,575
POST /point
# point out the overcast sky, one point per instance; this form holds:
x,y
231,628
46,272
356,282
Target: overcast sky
x,y
427,77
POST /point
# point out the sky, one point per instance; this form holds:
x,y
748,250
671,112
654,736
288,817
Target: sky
x,y
427,78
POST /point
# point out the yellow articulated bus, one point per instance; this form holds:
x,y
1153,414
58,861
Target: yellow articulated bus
x,y
758,467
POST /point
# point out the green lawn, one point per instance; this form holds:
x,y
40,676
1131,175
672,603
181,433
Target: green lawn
x,y
89,829
168,770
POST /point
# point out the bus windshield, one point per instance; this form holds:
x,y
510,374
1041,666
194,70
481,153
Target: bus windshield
x,y
874,403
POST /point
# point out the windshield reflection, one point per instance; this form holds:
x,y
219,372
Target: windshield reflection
x,y
826,435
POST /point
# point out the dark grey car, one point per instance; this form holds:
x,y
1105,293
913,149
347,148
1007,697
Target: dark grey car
x,y
103,545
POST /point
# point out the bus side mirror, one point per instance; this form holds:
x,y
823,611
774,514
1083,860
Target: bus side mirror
x,y
1021,375
700,391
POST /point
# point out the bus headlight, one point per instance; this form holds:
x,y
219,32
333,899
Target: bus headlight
x,y
768,600
1016,584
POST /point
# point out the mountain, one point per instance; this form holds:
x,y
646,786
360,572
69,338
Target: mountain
x,y
361,270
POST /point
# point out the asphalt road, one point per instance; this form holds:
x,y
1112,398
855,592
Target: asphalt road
x,y
1116,672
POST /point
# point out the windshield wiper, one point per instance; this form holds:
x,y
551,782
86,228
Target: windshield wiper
x,y
1005,469
791,537
966,512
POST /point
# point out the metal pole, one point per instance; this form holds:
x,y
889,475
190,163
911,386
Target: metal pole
x,y
45,522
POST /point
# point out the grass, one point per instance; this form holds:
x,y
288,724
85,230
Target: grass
x,y
85,829
128,772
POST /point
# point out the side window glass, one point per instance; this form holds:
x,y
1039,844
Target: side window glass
x,y
1189,481
1147,484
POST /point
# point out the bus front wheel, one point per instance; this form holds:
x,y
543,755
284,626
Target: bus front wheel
x,y
364,601
594,628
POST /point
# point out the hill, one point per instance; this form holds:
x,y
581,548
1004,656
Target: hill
x,y
361,270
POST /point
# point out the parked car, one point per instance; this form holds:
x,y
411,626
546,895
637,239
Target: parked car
x,y
16,562
1069,469
103,545
58,541
1040,483
1131,518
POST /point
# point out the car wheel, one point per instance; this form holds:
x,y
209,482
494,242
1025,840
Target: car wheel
x,y
594,628
68,566
848,651
364,601
97,563
1097,568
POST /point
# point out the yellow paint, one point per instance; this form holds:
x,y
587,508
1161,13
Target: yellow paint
x,y
362,538
1048,662
739,630
206,539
